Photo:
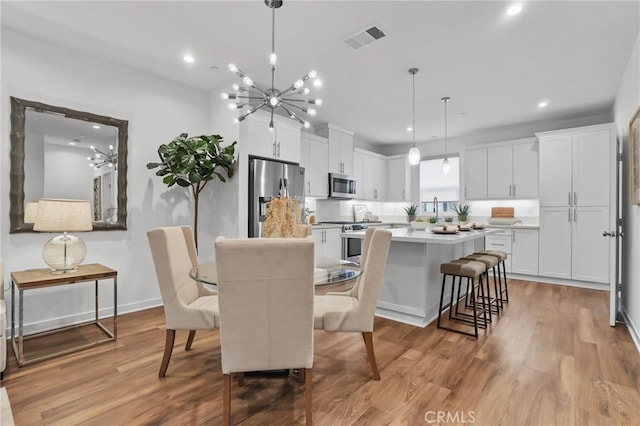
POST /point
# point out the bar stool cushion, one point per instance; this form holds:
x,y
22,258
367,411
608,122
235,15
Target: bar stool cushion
x,y
501,255
489,261
470,269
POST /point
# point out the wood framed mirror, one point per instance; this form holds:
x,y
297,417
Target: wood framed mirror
x,y
58,152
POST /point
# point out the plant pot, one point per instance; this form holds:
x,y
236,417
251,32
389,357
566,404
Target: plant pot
x,y
462,219
411,218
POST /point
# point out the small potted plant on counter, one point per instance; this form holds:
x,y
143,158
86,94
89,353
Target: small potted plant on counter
x,y
411,211
448,219
463,212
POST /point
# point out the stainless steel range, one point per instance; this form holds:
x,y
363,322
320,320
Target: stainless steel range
x,y
351,247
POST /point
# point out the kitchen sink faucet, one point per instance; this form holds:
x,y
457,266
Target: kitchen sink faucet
x,y
435,207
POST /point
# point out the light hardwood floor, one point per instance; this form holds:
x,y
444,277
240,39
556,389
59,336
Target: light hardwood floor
x,y
550,359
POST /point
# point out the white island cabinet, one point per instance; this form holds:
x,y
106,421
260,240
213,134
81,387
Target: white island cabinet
x,y
412,281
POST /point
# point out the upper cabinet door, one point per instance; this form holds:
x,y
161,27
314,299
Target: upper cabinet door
x,y
318,172
525,170
499,172
475,174
556,170
399,179
287,141
358,173
260,139
592,157
340,148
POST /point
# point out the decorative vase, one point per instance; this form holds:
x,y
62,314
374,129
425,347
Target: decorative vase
x,y
411,218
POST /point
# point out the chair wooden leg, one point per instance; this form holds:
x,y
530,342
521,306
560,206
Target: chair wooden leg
x,y
226,400
308,385
240,379
192,334
168,349
368,342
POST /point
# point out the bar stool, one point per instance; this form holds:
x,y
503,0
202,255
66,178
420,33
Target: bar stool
x,y
490,262
502,256
473,271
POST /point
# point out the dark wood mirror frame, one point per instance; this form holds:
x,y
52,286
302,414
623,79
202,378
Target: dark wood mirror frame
x,y
17,172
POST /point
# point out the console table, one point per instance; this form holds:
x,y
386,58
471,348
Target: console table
x,y
39,278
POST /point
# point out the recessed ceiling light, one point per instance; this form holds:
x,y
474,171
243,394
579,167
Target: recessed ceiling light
x,y
188,58
95,126
543,104
72,143
514,9
409,128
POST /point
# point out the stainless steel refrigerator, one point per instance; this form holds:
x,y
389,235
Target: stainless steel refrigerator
x,y
270,179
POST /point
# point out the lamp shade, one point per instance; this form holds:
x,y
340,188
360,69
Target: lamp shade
x,y
414,156
30,210
55,215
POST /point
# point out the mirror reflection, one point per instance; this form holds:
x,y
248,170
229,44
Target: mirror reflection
x,y
67,154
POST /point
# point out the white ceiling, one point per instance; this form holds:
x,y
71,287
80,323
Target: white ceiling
x,y
496,70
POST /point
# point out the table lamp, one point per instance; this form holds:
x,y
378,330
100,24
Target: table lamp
x,y
30,210
63,253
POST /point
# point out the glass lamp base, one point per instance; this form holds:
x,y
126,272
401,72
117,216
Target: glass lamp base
x,y
63,253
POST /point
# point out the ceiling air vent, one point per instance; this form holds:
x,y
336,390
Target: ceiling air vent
x,y
364,37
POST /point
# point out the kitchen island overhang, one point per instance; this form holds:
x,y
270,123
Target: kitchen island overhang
x,y
412,282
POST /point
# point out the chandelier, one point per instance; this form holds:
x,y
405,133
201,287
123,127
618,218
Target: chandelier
x,y
292,100
445,164
101,158
414,152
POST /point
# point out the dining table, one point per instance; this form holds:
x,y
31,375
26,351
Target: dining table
x,y
327,271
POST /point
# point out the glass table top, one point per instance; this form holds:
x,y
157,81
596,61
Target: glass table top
x,y
326,271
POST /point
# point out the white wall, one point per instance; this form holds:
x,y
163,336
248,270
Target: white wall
x,y
627,101
157,111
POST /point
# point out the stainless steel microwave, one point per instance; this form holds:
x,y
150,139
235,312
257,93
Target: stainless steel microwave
x,y
341,186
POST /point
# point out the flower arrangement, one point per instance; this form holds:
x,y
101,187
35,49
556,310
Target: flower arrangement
x,y
283,214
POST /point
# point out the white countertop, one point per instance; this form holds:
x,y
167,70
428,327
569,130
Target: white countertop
x,y
515,226
427,237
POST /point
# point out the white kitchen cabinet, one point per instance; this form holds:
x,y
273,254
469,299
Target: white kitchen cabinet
x,y
375,177
314,154
399,182
340,148
358,173
283,143
575,168
500,241
576,184
475,174
328,243
524,251
512,171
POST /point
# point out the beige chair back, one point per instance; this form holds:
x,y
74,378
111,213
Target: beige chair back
x,y
374,260
174,255
265,290
1,281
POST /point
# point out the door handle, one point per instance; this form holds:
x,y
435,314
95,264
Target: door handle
x,y
608,234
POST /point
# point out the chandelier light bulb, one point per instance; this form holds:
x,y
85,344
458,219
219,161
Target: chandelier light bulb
x,y
231,105
271,126
318,102
307,124
111,147
236,120
298,84
306,90
312,112
273,59
235,86
317,82
274,101
247,80
233,68
313,74
224,95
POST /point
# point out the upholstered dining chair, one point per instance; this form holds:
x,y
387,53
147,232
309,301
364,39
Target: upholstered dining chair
x,y
265,290
188,305
3,325
354,310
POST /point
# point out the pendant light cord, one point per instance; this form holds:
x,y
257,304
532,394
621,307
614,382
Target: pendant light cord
x,y
273,43
413,124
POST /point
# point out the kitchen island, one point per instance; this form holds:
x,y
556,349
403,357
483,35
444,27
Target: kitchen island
x,y
411,287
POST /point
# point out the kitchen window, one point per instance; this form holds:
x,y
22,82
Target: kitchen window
x,y
434,184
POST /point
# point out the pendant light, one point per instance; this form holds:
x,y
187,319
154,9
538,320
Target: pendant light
x,y
414,152
445,164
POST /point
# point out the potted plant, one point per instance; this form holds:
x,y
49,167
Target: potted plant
x,y
462,211
433,220
411,211
193,162
448,219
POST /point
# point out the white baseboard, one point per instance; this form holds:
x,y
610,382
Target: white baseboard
x,y
633,331
53,323
560,281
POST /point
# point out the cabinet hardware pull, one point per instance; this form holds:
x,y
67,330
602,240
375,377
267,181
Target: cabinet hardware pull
x,y
497,244
403,195
278,149
509,190
575,215
514,189
569,193
309,185
569,215
465,192
575,199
